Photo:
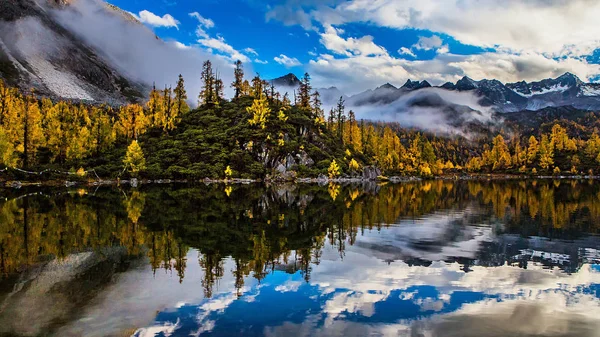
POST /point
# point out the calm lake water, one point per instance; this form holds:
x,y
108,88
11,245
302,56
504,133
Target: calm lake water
x,y
437,258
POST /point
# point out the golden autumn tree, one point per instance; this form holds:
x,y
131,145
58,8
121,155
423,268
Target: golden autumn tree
x,y
31,131
102,135
60,122
546,153
132,121
134,158
532,150
259,111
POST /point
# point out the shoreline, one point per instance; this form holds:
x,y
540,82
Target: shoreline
x,y
320,180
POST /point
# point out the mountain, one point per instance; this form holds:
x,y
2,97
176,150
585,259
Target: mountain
x,y
565,90
414,85
331,94
38,52
289,80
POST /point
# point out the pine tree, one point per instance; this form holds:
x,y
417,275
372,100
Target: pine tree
x,y
238,82
207,93
134,158
257,86
181,97
305,91
340,118
219,87
317,108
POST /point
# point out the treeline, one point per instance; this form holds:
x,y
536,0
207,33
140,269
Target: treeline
x,y
555,152
256,132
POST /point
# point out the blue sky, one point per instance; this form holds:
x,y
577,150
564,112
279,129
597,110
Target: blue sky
x,y
357,44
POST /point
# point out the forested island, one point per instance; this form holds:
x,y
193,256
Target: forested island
x,y
262,134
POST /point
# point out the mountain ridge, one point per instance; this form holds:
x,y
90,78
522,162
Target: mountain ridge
x,y
564,90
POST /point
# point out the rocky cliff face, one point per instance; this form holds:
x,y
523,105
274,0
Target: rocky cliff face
x,y
37,52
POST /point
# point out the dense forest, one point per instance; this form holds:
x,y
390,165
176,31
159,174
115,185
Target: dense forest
x,y
261,133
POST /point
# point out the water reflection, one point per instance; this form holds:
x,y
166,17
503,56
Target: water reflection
x,y
433,258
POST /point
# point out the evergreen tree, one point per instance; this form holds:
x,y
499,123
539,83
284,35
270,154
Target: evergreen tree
x,y
219,87
238,82
340,118
181,105
305,91
207,93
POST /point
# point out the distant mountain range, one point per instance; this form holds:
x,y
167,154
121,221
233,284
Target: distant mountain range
x,y
565,90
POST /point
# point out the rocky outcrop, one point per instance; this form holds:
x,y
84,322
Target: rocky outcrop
x,y
371,173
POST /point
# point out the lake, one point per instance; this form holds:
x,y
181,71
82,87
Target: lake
x,y
431,258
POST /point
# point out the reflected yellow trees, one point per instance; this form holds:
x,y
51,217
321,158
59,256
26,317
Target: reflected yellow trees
x,y
267,230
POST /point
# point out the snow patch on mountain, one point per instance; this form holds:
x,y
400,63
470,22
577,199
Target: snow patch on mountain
x,y
554,88
590,90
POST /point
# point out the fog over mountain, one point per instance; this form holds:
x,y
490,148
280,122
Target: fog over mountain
x,y
87,49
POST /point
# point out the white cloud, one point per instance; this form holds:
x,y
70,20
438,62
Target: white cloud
x,y
406,51
250,51
286,61
428,43
218,44
204,22
351,46
154,20
552,27
261,61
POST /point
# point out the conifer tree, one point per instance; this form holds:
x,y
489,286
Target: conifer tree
x,y
340,117
155,107
317,108
134,158
31,130
219,96
102,133
257,86
181,105
132,121
305,91
207,92
546,153
532,150
238,82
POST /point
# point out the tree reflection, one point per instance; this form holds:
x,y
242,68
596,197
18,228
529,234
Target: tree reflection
x,y
279,228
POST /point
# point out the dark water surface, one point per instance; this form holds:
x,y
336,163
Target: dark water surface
x,y
437,258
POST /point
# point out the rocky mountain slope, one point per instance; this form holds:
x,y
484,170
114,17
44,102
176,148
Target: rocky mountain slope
x,y
38,52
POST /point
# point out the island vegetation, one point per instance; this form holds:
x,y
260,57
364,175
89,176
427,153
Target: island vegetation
x,y
262,134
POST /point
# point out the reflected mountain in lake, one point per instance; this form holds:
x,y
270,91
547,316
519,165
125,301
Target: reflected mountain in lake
x,y
433,258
